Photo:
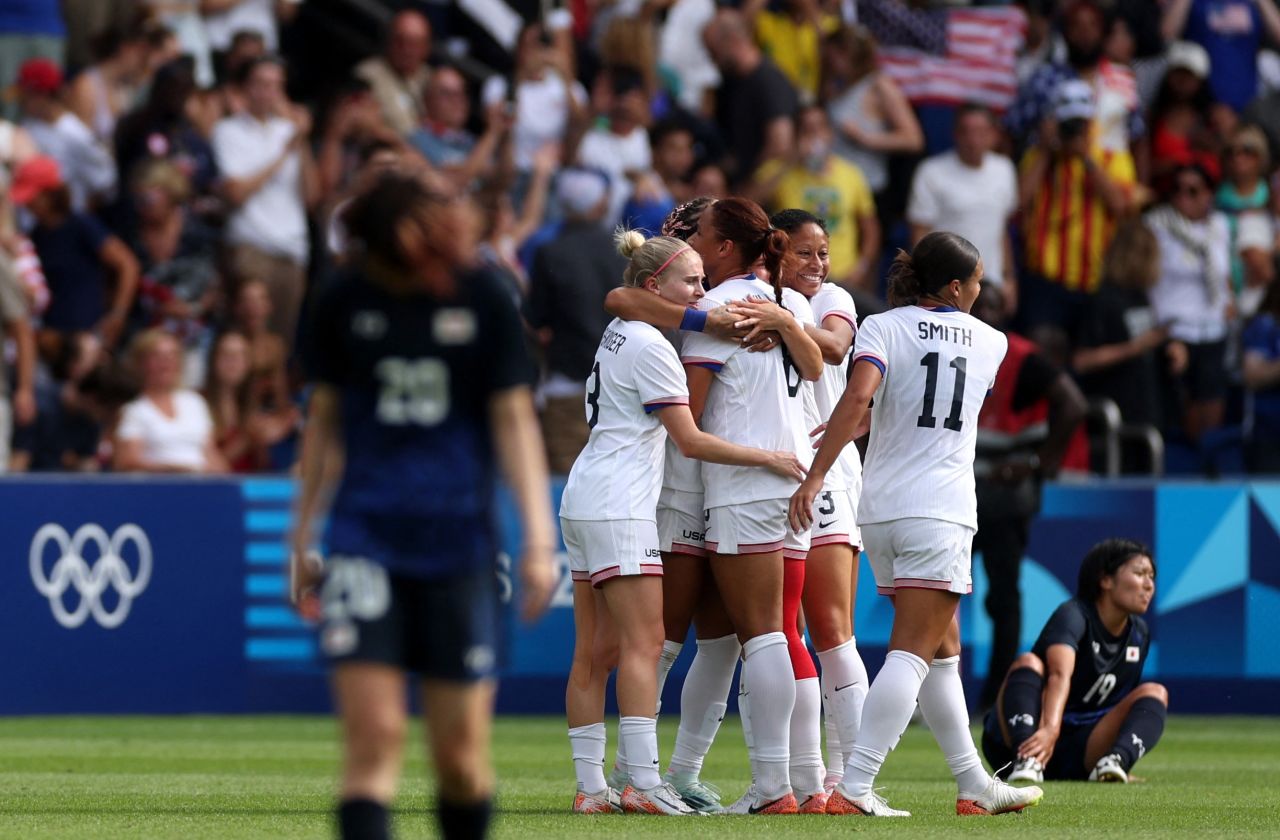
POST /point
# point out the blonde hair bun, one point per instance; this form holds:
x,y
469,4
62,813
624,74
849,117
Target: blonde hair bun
x,y
628,241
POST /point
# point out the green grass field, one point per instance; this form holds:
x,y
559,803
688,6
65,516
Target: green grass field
x,y
273,777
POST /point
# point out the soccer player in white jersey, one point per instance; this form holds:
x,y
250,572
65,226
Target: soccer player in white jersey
x,y
636,390
754,399
831,569
918,510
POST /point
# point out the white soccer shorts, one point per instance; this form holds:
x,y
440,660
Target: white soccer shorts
x,y
834,522
603,549
754,528
920,553
682,524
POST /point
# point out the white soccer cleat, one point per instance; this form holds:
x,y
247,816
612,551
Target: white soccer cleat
x,y
999,798
662,799
1028,769
696,793
753,803
1109,769
606,801
871,805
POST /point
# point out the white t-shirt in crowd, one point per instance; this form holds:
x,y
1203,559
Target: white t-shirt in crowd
x,y
274,219
619,473
1192,293
542,111
616,155
178,441
937,365
755,400
87,166
255,15
682,51
831,301
974,202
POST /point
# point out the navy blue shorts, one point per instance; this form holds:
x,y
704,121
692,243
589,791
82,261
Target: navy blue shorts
x,y
1067,763
444,628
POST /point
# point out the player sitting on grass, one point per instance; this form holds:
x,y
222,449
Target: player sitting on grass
x,y
1075,706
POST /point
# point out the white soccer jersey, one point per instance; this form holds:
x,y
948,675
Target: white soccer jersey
x,y
619,473
681,473
756,400
833,301
938,366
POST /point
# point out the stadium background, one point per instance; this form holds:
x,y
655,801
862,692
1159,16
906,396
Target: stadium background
x,y
211,631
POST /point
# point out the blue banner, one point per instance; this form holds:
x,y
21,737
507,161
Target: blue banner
x,y
155,595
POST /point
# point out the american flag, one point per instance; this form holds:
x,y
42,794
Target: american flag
x,y
974,63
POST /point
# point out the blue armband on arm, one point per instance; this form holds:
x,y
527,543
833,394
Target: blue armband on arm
x,y
694,320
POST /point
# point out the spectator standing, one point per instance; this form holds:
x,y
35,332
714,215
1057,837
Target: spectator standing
x,y
443,138
398,77
1245,197
568,281
1231,31
684,55
620,146
1262,377
871,115
755,103
1193,296
86,166
824,184
1183,115
1117,121
1071,192
168,428
1027,424
101,93
183,18
270,181
791,33
275,414
971,190
91,274
548,101
28,29
163,129
1122,352
20,408
224,18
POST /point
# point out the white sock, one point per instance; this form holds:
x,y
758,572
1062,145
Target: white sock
x,y
670,653
944,710
844,690
806,739
587,743
620,757
744,716
835,765
767,668
640,734
703,701
891,701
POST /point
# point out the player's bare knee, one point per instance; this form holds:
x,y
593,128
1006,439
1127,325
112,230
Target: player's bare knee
x,y
827,628
1154,690
463,771
1028,660
604,656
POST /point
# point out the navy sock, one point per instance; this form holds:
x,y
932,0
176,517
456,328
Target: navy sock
x,y
1020,705
363,819
1140,731
464,820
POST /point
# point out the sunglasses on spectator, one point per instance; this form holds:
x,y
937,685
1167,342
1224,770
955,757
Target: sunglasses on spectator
x,y
1244,150
1189,189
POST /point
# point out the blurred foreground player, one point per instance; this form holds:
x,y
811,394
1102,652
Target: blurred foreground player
x,y
421,393
1075,706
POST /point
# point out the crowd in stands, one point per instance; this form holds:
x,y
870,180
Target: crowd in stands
x,y
174,172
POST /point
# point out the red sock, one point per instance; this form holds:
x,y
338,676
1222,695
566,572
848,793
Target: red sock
x,y
792,589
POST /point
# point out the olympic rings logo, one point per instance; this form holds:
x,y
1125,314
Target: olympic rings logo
x,y
90,581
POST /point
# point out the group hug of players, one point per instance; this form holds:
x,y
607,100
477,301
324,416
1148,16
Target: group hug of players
x,y
720,490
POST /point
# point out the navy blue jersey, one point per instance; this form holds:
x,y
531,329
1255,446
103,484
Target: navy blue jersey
x,y
1107,667
415,375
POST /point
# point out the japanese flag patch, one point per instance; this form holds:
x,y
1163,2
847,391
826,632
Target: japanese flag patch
x,y
1131,653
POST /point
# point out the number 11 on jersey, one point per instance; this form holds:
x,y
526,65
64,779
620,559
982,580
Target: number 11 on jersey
x,y
926,419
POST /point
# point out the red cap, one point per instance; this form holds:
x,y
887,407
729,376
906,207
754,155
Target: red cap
x,y
39,75
34,177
